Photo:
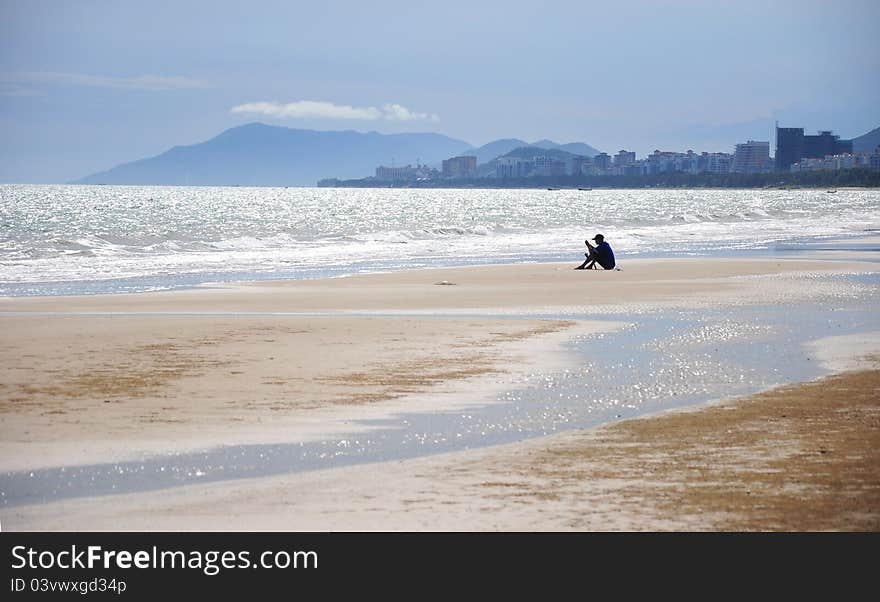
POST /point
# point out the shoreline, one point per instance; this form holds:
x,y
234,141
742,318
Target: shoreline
x,y
486,286
801,248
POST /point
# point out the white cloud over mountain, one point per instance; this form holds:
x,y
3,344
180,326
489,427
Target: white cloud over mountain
x,y
314,109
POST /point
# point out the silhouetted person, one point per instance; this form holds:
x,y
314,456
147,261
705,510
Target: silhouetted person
x,y
601,254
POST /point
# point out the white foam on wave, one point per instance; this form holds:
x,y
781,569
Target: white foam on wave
x,y
111,232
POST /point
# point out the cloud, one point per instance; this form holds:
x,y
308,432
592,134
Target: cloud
x,y
308,109
395,112
139,82
314,109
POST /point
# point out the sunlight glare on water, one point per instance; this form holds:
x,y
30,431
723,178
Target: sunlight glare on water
x,y
162,237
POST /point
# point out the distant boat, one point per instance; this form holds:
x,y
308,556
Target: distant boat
x,y
584,188
552,189
831,191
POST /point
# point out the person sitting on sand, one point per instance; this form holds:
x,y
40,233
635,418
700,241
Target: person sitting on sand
x,y
601,254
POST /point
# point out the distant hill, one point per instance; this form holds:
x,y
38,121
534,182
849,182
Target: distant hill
x,y
530,152
866,143
526,152
575,148
496,148
262,155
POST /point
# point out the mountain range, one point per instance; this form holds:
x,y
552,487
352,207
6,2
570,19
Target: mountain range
x,y
498,148
529,153
866,143
262,155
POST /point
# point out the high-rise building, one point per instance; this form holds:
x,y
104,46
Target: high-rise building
x,y
460,167
580,164
715,162
660,162
688,162
602,161
395,173
623,158
549,166
406,173
789,147
513,167
751,157
792,146
826,144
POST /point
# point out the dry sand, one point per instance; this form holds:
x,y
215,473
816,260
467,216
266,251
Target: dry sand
x,y
104,378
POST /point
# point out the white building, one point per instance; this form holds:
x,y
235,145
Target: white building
x,y
513,167
548,166
842,161
716,162
752,157
405,174
624,158
460,167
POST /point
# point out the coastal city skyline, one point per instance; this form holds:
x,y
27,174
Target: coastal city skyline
x,y
794,151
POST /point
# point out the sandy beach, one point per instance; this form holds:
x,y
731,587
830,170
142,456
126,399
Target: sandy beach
x,y
110,378
798,458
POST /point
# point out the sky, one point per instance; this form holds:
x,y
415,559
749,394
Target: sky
x,y
86,85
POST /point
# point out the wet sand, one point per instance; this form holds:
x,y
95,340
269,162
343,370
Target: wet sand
x,y
797,458
527,288
83,390
114,377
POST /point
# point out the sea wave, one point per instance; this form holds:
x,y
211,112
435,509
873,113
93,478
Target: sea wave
x,y
82,233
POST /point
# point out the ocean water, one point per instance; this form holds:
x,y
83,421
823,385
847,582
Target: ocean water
x,y
97,239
